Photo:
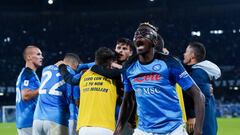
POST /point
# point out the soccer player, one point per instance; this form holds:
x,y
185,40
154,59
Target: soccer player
x,y
153,77
124,50
203,73
52,110
98,92
73,107
27,90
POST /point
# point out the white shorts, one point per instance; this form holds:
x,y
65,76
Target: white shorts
x,y
94,131
45,127
72,127
24,131
181,130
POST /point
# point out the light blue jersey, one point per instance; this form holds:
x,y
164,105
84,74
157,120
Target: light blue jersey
x,y
84,66
74,95
158,106
25,109
54,96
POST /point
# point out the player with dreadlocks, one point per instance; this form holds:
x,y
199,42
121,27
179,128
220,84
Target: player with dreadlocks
x,y
153,77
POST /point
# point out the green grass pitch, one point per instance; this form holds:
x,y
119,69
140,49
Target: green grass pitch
x,y
226,126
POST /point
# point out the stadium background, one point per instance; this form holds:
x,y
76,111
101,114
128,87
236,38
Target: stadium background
x,y
81,26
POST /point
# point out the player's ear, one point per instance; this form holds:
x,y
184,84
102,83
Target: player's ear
x,y
75,66
192,56
29,57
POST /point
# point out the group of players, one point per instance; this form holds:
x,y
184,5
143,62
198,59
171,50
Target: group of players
x,y
71,92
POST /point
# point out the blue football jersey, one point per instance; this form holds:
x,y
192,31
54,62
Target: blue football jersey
x,y
54,97
27,79
72,107
74,95
84,66
158,106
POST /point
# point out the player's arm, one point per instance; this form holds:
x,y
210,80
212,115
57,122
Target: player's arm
x,y
116,65
109,73
84,66
29,87
67,76
191,117
77,102
199,106
187,83
76,95
28,94
125,111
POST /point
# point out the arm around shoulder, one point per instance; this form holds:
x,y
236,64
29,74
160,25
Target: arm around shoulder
x,y
67,76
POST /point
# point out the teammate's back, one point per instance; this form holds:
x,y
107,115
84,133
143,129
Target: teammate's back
x,y
52,111
53,102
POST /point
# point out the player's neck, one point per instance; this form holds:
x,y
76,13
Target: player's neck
x,y
146,58
192,62
31,65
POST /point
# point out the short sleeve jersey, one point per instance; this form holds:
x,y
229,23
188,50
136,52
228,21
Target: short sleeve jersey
x,y
158,106
74,95
27,79
54,93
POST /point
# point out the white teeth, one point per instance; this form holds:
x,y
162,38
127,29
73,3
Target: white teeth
x,y
140,47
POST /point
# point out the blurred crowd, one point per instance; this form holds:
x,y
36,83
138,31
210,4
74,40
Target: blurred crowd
x,y
83,33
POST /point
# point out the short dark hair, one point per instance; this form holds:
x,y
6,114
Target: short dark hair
x,y
104,56
199,50
74,58
126,41
26,51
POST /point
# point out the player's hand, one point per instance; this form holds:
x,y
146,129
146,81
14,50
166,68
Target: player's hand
x,y
133,125
190,125
165,51
59,63
197,133
115,65
117,132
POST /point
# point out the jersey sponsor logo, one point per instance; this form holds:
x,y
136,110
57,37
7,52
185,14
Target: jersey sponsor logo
x,y
147,77
156,67
183,74
26,82
147,91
